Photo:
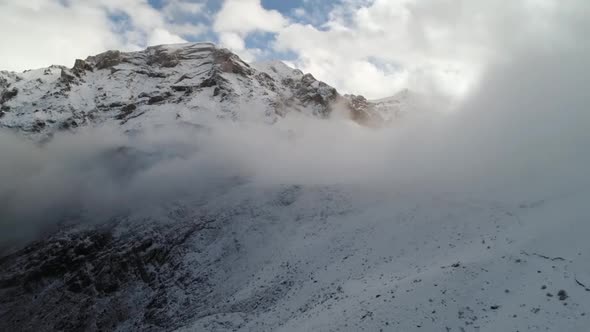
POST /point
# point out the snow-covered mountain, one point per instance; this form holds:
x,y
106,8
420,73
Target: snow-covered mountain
x,y
189,83
181,189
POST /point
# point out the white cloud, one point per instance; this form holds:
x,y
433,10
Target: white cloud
x,y
39,33
245,16
237,44
188,29
436,46
369,47
232,40
239,18
299,12
181,16
175,8
161,36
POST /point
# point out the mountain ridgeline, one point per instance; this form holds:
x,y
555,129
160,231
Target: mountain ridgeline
x,y
189,83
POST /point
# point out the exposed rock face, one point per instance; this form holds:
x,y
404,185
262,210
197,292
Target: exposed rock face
x,y
126,111
98,280
3,82
106,60
363,112
228,62
157,99
200,80
164,59
68,124
66,77
155,274
8,94
80,67
311,91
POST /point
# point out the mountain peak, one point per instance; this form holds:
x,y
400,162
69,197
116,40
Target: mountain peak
x,y
165,56
194,83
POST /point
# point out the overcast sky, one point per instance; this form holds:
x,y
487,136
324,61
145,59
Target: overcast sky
x,y
369,47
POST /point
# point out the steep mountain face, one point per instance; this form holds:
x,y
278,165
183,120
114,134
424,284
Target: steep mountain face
x,y
159,272
179,234
190,83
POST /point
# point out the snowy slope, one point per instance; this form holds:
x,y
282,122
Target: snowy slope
x,y
426,267
311,258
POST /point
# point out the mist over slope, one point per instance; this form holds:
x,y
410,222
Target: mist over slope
x,y
522,131
473,219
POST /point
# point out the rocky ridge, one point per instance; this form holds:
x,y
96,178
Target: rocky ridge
x,y
193,83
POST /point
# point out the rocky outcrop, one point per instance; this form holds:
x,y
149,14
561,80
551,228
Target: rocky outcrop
x,y
228,62
162,58
158,98
7,95
68,124
126,111
80,67
106,60
102,279
362,111
66,77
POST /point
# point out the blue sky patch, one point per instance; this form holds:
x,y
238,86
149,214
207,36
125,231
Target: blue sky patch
x,y
314,12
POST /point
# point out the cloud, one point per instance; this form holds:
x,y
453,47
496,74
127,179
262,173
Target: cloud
x,y
186,17
520,132
440,47
188,29
520,135
44,32
232,41
369,47
40,33
246,16
162,36
178,8
237,19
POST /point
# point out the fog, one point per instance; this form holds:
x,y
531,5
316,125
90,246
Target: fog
x,y
520,135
